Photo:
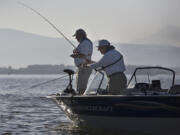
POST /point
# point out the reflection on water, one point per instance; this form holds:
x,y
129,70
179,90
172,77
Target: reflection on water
x,y
68,128
27,111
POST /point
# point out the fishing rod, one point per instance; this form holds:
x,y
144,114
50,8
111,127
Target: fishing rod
x,y
53,26
68,71
39,84
25,5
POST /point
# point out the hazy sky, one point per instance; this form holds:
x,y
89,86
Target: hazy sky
x,y
117,20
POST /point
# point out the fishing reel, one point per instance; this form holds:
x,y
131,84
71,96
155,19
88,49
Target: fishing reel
x,y
69,88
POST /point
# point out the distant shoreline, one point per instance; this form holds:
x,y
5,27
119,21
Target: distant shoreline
x,y
55,69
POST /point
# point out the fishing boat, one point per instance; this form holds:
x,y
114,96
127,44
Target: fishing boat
x,y
149,105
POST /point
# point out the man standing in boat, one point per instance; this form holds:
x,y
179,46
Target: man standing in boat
x,y
113,64
82,55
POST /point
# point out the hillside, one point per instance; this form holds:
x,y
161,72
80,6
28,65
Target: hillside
x,y
19,49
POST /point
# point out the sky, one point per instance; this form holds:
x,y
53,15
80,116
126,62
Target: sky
x,y
119,21
116,20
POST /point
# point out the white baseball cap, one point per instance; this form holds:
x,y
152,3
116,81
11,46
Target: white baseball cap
x,y
103,42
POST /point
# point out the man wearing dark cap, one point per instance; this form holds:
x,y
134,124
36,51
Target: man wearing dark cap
x,y
82,55
113,64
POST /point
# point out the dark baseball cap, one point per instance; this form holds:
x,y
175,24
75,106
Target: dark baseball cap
x,y
80,32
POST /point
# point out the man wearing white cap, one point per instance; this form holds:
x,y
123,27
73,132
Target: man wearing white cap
x,y
113,64
82,55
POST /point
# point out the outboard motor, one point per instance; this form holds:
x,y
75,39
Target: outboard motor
x,y
69,88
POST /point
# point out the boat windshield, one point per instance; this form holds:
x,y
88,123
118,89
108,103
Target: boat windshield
x,y
97,85
155,76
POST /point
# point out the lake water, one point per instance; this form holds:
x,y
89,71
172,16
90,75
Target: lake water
x,y
28,112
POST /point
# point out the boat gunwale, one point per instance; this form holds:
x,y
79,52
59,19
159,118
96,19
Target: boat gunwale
x,y
115,96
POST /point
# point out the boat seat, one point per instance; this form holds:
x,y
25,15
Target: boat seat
x,y
155,85
175,89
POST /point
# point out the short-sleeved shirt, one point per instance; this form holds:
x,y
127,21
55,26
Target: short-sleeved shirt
x,y
109,58
85,47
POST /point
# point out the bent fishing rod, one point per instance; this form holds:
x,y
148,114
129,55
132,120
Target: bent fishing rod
x,y
53,26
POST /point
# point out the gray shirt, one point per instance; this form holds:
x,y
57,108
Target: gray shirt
x,y
109,58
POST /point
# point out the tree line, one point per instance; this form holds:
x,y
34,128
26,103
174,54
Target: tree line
x,y
57,69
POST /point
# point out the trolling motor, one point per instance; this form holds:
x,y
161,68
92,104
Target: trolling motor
x,y
69,88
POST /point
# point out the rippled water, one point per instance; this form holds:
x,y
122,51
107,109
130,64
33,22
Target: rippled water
x,y
28,111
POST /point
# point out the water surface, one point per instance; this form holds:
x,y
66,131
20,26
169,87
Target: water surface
x,y
26,111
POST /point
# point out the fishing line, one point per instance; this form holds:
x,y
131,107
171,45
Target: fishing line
x,y
25,5
39,84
